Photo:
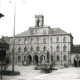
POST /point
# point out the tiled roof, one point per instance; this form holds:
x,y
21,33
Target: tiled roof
x,y
54,31
58,31
25,33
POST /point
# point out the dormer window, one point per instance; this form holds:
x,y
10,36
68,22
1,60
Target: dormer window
x,y
31,31
19,41
44,31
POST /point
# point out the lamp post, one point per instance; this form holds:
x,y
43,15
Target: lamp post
x,y
49,46
13,51
14,37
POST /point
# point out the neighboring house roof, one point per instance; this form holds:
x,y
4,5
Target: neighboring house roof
x,y
2,41
76,48
3,44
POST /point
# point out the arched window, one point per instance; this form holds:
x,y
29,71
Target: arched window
x,y
31,40
51,48
25,41
64,48
12,50
57,39
19,41
19,58
31,49
24,58
38,40
51,39
44,31
57,48
64,39
44,40
19,49
38,48
25,49
58,58
64,58
44,48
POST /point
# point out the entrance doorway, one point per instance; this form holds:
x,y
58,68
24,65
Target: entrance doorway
x,y
35,59
77,61
29,58
42,59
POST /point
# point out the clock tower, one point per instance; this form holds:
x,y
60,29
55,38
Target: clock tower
x,y
39,21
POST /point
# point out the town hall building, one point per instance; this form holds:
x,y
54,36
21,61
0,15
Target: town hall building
x,y
42,43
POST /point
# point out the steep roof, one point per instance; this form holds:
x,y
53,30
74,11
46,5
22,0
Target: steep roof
x,y
3,44
25,33
57,31
53,31
2,41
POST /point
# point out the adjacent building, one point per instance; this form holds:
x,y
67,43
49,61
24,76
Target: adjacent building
x,y
4,49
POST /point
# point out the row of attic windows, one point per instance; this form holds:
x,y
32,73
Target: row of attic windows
x,y
44,40
44,49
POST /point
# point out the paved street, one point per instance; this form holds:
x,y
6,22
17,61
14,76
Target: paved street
x,y
28,73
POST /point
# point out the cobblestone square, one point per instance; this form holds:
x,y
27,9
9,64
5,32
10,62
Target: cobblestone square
x,y
29,73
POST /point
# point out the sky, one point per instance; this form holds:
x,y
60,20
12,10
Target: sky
x,y
64,14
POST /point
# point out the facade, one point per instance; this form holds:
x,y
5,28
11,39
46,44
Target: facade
x,y
41,44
